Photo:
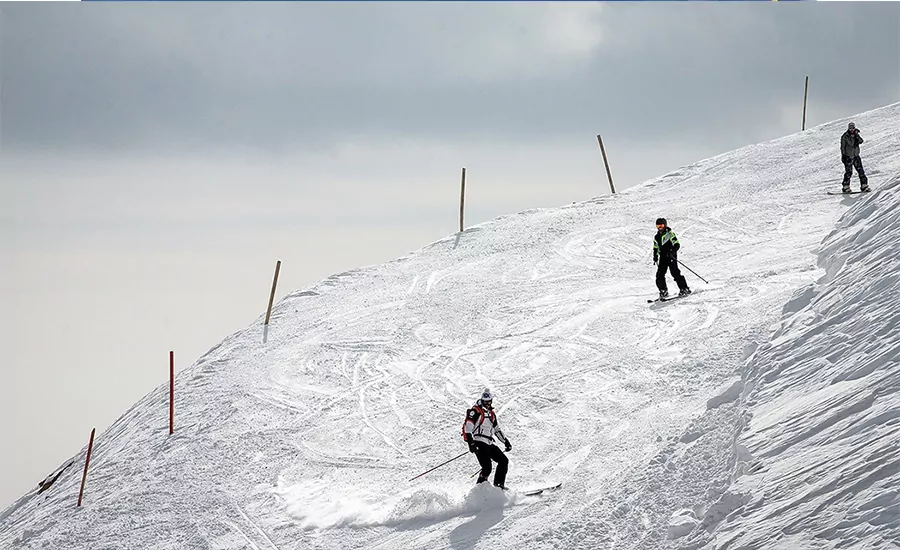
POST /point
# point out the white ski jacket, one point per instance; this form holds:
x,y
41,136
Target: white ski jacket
x,y
481,422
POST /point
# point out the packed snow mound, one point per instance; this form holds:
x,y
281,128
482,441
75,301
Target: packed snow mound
x,y
309,438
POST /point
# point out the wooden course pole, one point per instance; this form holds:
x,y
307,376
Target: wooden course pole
x,y
87,462
171,392
805,90
272,294
606,163
462,199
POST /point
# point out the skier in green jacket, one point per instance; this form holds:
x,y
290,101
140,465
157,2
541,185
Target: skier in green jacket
x,y
665,256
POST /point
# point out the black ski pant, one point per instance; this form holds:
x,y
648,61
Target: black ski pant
x,y
672,266
485,454
849,165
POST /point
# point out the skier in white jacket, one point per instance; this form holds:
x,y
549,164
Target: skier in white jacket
x,y
479,430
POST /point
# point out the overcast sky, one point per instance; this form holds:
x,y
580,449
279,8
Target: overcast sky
x,y
157,159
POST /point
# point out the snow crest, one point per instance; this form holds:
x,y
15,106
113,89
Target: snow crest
x,y
824,405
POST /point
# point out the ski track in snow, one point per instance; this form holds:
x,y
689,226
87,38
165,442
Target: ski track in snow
x,y
672,425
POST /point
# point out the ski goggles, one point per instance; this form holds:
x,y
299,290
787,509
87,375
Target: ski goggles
x,y
660,226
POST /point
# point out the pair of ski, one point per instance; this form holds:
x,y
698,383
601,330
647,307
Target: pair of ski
x,y
536,491
849,192
669,298
533,492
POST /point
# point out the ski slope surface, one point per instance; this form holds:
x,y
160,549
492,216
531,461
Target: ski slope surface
x,y
759,412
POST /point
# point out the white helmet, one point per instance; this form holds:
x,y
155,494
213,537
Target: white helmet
x,y
486,397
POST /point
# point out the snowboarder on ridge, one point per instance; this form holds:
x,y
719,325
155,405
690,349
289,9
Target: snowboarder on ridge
x,y
665,256
850,141
479,430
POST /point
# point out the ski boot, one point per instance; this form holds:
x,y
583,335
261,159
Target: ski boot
x,y
845,189
864,188
663,294
684,291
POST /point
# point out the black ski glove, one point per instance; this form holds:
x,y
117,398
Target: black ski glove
x,y
508,446
471,443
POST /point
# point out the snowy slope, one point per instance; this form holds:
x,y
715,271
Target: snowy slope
x,y
309,439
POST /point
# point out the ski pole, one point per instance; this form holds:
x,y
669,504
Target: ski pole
x,y
692,271
441,464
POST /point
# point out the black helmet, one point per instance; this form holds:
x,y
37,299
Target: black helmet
x,y
661,221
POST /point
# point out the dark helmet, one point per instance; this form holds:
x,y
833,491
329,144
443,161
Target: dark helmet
x,y
661,221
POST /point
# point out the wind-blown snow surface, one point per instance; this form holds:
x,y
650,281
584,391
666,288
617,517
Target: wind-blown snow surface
x,y
821,450
684,424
